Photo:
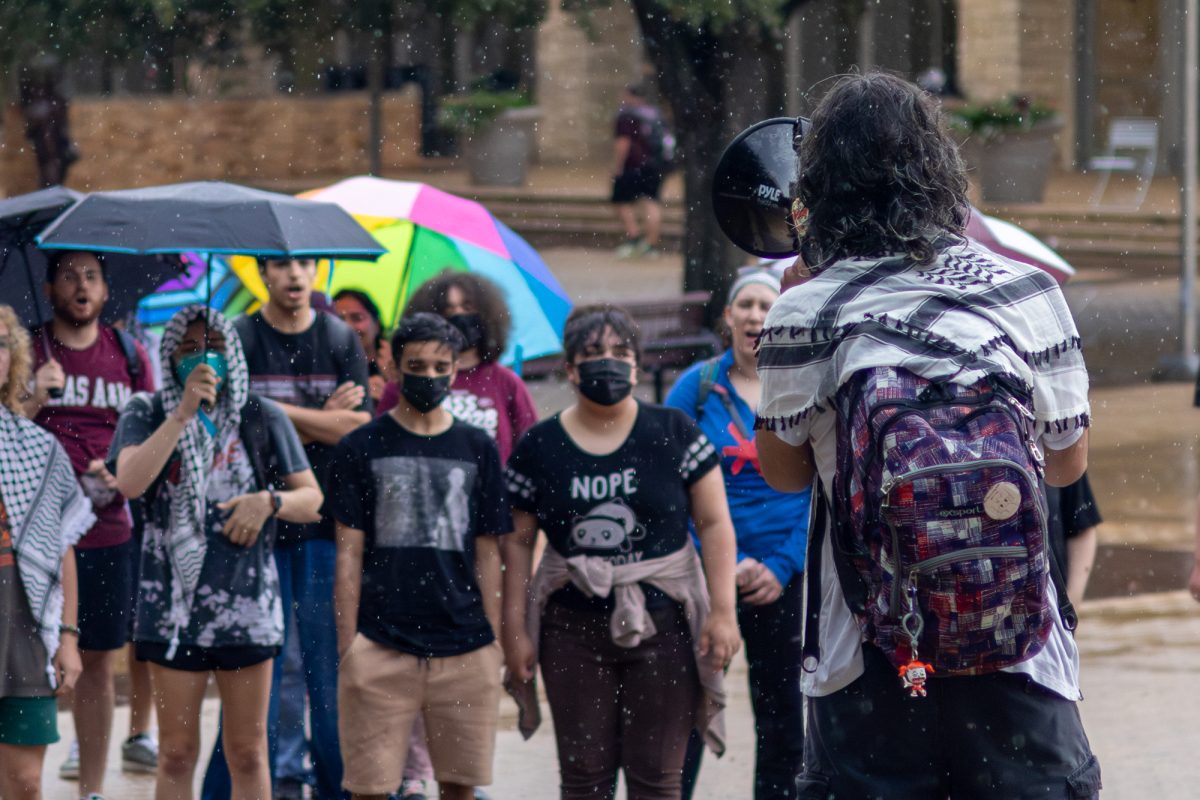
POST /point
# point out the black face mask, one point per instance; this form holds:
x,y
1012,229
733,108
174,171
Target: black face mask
x,y
605,381
470,326
424,394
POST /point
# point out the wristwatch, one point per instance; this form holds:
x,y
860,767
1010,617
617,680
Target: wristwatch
x,y
276,502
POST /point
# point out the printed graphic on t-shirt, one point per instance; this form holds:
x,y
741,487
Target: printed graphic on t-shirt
x,y
422,502
84,390
480,412
608,526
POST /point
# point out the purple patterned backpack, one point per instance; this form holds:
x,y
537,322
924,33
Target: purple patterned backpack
x,y
939,522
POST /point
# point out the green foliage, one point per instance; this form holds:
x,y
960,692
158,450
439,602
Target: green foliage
x,y
990,119
470,111
715,15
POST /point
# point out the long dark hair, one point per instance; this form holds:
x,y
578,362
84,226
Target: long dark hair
x,y
879,173
487,298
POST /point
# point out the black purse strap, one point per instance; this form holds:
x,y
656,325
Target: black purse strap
x,y
817,531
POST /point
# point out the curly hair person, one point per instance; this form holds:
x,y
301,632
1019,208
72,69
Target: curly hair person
x,y
20,360
879,173
478,293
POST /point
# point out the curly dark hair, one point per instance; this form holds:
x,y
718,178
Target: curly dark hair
x,y
487,298
585,325
426,327
879,173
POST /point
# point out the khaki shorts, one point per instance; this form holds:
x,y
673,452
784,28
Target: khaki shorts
x,y
380,693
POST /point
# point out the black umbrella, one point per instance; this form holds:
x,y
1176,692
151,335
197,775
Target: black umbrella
x,y
23,264
211,217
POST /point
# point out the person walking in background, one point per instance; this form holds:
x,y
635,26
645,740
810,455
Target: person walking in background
x,y
1074,519
359,311
312,365
721,394
639,164
207,455
630,632
43,514
419,502
47,122
94,369
895,309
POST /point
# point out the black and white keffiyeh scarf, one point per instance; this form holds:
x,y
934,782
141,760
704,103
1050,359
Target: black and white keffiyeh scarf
x,y
186,539
969,314
47,512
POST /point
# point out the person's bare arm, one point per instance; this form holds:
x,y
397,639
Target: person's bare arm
x,y
68,664
488,575
785,467
517,550
249,512
326,426
1064,467
347,585
621,147
1081,556
720,639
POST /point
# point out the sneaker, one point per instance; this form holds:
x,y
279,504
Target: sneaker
x,y
645,250
629,249
480,794
69,771
413,790
139,753
93,796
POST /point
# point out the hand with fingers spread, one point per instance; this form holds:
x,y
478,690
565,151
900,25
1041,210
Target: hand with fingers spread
x,y
247,513
347,397
757,585
200,387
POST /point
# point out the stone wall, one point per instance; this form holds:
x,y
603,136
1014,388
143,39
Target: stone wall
x,y
143,141
581,72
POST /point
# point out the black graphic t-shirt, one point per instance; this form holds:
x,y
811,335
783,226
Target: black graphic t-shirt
x,y
627,506
304,369
421,500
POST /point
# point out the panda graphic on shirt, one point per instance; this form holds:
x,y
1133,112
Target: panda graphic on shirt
x,y
610,526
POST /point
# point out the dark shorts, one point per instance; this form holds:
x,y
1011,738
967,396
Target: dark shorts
x,y
28,721
189,658
985,737
105,588
636,184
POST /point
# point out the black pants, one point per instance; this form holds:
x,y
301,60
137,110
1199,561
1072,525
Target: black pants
x,y
618,708
773,643
988,737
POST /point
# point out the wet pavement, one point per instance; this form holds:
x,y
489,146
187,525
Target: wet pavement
x,y
1139,636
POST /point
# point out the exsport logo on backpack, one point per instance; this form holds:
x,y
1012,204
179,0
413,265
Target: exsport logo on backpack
x,y
939,524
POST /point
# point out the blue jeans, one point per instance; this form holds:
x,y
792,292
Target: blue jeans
x,y
305,587
292,740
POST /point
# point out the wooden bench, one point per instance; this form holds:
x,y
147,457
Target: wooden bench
x,y
672,332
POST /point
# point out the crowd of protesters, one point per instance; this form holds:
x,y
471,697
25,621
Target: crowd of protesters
x,y
298,473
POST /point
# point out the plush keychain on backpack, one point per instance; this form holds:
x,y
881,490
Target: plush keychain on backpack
x,y
913,676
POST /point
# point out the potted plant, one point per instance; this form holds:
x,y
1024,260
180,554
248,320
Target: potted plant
x,y
1009,146
495,132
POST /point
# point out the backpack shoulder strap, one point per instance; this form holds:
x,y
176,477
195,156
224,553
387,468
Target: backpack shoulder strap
x,y
708,379
133,364
256,438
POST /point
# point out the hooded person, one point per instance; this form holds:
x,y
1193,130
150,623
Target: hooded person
x,y
207,458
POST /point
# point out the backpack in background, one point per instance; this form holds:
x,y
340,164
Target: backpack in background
x,y
660,142
939,522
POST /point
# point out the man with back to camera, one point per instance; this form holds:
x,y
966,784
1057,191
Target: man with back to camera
x,y
312,365
96,368
637,172
888,285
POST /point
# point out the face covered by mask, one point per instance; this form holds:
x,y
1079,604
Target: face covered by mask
x,y
424,394
470,326
212,358
605,381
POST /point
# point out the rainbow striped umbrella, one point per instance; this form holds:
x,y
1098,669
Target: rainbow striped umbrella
x,y
426,230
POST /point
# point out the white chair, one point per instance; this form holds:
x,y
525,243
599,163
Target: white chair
x,y
1133,148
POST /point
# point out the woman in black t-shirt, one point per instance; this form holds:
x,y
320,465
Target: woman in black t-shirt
x,y
612,482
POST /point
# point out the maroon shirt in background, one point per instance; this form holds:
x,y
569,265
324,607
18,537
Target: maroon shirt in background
x,y
487,396
84,419
634,122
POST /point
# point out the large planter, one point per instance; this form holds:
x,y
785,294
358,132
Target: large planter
x,y
499,153
1012,166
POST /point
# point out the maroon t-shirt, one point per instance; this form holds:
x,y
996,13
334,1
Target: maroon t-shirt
x,y
487,396
84,419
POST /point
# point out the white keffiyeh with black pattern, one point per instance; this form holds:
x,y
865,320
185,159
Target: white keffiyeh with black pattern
x,y
47,512
969,314
187,541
